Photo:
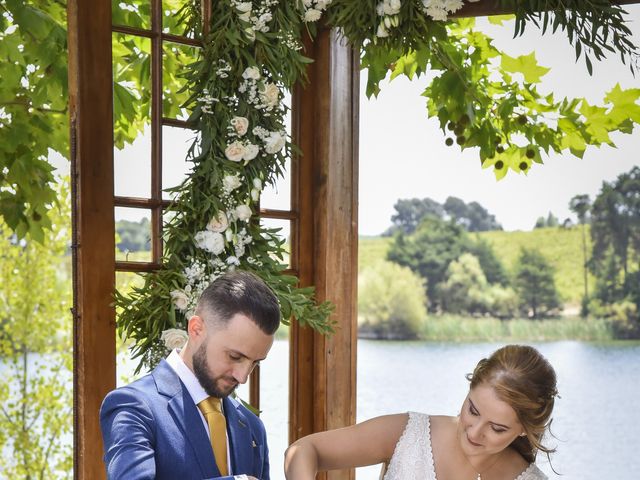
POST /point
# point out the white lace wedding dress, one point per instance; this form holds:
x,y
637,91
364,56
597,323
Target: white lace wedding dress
x,y
413,458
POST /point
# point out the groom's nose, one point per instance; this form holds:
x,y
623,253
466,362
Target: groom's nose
x,y
241,372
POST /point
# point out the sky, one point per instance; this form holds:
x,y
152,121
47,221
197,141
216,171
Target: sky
x,y
403,155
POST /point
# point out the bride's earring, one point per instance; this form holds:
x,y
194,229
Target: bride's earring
x,y
523,434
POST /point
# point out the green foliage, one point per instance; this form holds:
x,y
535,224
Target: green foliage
x,y
429,251
134,236
535,284
466,290
391,301
35,346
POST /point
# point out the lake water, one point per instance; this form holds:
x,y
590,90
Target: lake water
x,y
596,420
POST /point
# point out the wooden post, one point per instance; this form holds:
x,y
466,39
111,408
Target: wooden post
x,y
90,106
323,369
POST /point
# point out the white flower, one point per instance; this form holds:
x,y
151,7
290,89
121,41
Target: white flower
x,y
235,151
180,300
255,194
231,182
453,5
438,14
240,125
257,183
251,34
251,73
307,3
250,152
244,7
245,17
210,241
174,338
322,4
219,223
243,212
270,95
229,235
312,15
382,31
231,260
274,143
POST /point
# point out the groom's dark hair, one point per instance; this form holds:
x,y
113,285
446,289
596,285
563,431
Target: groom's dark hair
x,y
240,292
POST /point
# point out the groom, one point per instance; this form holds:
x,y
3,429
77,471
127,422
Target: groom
x,y
178,422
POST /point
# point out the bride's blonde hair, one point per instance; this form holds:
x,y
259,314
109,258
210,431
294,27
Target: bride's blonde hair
x,y
526,381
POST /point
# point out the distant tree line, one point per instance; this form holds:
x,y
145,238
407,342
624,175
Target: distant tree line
x,y
472,216
614,259
133,236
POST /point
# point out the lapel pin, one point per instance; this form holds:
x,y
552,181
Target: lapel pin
x,y
253,443
242,423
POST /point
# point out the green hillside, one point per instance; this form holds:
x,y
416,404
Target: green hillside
x,y
561,246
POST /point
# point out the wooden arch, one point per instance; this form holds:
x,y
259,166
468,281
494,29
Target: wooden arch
x,y
323,370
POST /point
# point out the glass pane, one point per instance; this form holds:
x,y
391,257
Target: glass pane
x,y
278,196
176,19
131,115
284,232
133,234
175,90
176,143
274,398
131,13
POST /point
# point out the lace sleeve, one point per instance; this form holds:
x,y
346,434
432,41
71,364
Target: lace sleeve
x,y
532,473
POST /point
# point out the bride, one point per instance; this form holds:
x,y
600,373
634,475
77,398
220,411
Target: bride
x,y
496,436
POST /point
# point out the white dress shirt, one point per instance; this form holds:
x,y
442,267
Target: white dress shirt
x,y
197,394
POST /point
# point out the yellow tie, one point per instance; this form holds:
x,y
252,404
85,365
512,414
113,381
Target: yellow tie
x,y
211,408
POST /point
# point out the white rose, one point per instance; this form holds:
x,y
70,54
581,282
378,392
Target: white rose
x,y
382,32
174,338
240,125
251,73
312,15
235,151
322,4
210,241
243,212
274,143
250,152
244,7
231,182
180,300
270,95
219,223
453,5
255,194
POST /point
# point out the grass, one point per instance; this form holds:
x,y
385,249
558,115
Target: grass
x,y
465,329
561,246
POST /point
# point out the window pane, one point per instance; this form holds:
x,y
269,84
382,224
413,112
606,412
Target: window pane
x,y
133,234
175,19
176,143
175,90
131,13
284,232
278,196
131,109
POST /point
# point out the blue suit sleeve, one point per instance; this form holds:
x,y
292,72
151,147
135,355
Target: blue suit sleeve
x,y
128,435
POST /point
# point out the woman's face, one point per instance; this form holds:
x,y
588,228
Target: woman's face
x,y
487,424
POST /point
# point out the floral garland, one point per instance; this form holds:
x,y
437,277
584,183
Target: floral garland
x,y
252,55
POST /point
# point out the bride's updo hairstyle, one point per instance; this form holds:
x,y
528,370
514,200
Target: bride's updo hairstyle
x,y
524,379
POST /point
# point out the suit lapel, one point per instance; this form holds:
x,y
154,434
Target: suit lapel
x,y
185,413
240,440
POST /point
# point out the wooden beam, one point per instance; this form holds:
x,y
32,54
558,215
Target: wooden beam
x,y
90,105
325,123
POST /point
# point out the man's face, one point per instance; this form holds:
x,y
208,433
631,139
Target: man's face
x,y
228,355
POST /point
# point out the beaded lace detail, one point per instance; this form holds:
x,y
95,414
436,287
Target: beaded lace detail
x,y
413,457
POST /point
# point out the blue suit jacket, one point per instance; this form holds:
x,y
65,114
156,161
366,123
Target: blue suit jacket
x,y
152,429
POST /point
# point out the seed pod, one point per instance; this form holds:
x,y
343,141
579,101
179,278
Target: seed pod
x,y
499,164
523,165
449,141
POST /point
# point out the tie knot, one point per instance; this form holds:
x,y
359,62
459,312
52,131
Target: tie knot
x,y
210,405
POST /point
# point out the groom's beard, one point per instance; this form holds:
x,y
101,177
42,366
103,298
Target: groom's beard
x,y
208,382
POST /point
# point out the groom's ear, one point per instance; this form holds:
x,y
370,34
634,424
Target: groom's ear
x,y
196,327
